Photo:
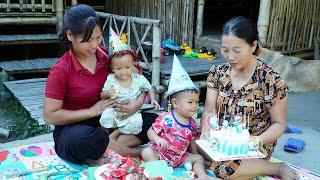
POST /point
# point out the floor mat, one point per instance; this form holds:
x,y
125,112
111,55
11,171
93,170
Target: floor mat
x,y
39,161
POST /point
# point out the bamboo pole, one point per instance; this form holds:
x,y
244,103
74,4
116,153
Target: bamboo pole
x,y
59,15
129,31
33,5
43,3
53,6
191,22
199,27
21,5
312,26
156,57
8,5
269,37
263,20
286,27
292,24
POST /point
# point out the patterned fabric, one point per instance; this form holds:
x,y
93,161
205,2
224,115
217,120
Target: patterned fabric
x,y
224,169
252,101
109,118
177,135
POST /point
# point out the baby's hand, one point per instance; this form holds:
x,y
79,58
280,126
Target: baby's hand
x,y
161,142
155,104
112,92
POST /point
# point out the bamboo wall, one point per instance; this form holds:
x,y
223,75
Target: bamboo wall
x,y
294,25
177,16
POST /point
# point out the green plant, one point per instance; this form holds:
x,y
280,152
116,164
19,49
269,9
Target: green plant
x,y
22,126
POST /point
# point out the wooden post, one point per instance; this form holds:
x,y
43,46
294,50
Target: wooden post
x,y
263,20
199,26
59,14
156,57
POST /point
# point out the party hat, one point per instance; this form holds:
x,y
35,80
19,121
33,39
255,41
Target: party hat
x,y
116,45
179,79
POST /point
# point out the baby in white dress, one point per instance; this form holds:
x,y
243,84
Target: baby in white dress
x,y
126,86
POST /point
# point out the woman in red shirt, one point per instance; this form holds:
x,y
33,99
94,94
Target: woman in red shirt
x,y
72,98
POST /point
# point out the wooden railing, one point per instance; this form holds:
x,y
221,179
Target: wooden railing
x,y
31,12
129,26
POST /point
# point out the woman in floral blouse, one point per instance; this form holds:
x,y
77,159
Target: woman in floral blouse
x,y
247,87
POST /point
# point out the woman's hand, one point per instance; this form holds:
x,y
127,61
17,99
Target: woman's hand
x,y
126,108
98,108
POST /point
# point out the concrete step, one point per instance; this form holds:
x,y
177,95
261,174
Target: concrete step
x,y
28,39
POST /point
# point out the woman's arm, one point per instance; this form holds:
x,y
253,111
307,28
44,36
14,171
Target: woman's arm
x,y
209,107
130,108
278,113
54,114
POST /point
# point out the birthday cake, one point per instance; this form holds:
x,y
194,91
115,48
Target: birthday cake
x,y
232,139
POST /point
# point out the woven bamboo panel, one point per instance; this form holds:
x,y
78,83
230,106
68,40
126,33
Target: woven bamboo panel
x,y
177,16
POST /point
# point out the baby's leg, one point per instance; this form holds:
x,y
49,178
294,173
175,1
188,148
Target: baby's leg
x,y
198,166
149,154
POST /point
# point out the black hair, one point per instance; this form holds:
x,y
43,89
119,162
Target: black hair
x,y
80,19
175,95
243,28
